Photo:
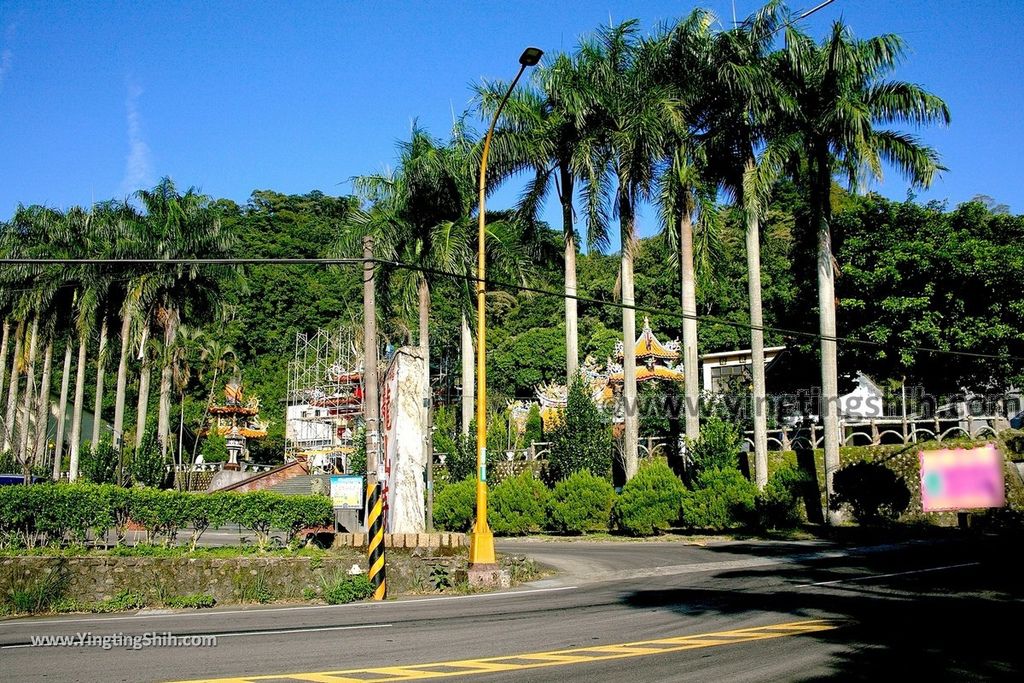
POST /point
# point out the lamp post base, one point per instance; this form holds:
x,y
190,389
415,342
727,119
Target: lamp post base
x,y
481,548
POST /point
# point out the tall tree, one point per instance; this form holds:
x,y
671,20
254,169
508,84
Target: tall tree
x,y
633,113
738,120
179,226
539,133
844,101
687,192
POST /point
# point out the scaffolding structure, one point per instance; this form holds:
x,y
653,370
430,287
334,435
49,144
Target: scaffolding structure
x,y
325,398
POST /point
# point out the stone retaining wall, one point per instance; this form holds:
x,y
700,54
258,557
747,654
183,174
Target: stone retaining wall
x,y
228,580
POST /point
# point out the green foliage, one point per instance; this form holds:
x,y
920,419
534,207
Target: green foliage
x,y
147,463
582,502
649,501
717,447
341,588
518,505
357,461
719,499
193,601
214,448
873,491
534,430
779,504
920,274
520,363
295,513
582,440
99,465
455,505
123,601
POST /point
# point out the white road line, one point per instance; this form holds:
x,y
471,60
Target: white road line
x,y
886,576
258,611
309,629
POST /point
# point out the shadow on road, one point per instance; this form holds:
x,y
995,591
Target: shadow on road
x,y
955,624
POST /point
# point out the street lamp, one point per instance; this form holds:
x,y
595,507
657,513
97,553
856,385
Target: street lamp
x,y
481,548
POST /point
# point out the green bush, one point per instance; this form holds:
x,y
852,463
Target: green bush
x,y
195,601
215,448
719,499
147,463
582,440
518,505
778,505
455,505
581,503
341,589
651,500
873,491
716,449
99,465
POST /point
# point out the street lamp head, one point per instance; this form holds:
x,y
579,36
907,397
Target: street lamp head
x,y
531,56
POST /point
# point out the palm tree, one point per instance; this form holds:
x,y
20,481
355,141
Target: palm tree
x,y
686,189
844,101
178,226
738,118
417,215
633,113
180,357
540,134
219,357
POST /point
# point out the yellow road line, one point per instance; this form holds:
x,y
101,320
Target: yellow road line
x,y
536,660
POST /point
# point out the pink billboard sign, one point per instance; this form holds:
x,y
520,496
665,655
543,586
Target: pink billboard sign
x,y
962,479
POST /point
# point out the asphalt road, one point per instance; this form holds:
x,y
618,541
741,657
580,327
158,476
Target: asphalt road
x,y
615,612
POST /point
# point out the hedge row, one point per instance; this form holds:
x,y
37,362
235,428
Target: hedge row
x,y
46,514
655,499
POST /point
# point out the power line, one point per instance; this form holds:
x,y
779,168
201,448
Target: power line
x,y
706,319
698,317
179,261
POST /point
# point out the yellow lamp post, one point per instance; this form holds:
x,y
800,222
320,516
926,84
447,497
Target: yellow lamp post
x,y
481,549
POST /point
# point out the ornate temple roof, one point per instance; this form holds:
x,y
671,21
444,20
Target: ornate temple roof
x,y
644,373
649,347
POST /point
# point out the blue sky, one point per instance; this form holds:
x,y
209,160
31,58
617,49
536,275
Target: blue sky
x,y
98,99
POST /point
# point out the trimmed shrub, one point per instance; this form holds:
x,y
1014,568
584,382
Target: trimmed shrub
x,y
59,513
582,440
518,505
873,491
295,513
581,503
455,505
719,499
202,512
716,449
778,505
649,501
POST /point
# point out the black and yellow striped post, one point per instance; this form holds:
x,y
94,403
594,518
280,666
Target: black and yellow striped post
x,y
375,524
